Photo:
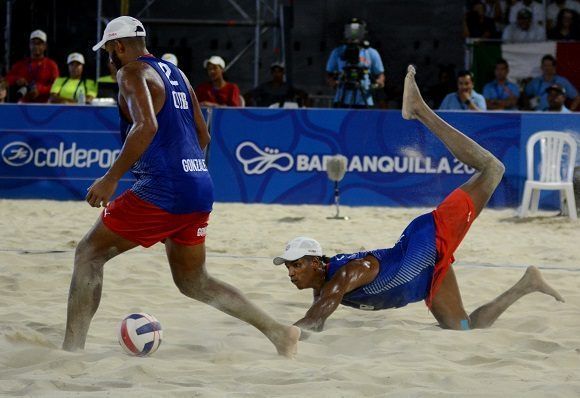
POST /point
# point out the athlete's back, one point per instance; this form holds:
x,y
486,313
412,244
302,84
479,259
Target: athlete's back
x,y
405,269
172,173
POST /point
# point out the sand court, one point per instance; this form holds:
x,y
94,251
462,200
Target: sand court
x,y
532,350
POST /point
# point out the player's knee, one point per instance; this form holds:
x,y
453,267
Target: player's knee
x,y
191,284
494,170
86,252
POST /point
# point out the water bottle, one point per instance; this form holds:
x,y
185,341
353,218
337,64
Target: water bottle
x,y
81,97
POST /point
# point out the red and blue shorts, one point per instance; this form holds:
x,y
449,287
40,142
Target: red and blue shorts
x,y
146,224
453,218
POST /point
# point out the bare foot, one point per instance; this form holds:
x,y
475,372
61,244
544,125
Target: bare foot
x,y
412,100
286,341
534,281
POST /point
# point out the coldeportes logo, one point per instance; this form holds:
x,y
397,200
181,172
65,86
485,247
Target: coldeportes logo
x,y
18,153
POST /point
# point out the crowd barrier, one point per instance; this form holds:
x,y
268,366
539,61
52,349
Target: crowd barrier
x,y
275,156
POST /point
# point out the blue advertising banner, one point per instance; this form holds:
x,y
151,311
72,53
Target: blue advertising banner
x,y
56,152
278,156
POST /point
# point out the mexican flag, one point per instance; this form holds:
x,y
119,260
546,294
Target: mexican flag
x,y
524,60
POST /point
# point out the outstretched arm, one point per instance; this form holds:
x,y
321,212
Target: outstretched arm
x,y
353,275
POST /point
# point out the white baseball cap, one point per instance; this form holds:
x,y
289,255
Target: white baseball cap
x,y
119,28
169,58
298,248
75,57
38,34
215,60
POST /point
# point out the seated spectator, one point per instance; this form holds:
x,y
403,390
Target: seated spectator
x,y
501,94
536,10
217,91
557,6
477,25
3,90
107,86
74,89
465,98
170,58
276,91
556,98
535,90
566,26
30,79
523,30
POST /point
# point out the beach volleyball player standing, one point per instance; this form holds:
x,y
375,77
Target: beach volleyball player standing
x,y
164,136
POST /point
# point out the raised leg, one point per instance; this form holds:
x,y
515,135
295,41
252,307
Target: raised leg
x,y
189,274
489,169
97,247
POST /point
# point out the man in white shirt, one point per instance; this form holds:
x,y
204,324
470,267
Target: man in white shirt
x,y
537,10
523,30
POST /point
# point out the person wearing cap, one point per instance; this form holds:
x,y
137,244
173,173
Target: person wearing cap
x,y
74,89
170,58
30,79
217,91
536,93
556,99
276,92
501,94
523,30
418,266
164,135
534,8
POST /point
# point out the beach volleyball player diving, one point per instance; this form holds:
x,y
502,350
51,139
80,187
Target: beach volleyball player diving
x,y
164,135
418,266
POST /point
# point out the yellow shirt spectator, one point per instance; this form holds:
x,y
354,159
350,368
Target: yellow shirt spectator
x,y
69,89
74,88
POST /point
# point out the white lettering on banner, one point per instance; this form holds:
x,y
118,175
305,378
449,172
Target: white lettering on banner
x,y
193,165
257,161
19,153
386,164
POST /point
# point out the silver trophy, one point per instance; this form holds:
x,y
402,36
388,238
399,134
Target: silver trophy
x,y
335,169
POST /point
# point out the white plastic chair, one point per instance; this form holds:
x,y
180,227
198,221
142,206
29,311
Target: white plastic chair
x,y
556,170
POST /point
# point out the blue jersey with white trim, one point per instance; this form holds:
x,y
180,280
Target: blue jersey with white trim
x,y
172,173
405,270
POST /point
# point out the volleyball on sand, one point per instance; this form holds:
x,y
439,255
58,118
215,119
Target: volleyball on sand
x,y
140,334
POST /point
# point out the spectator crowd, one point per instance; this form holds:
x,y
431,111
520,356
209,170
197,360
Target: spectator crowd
x,y
354,69
518,21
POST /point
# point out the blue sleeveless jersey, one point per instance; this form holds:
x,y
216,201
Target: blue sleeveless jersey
x,y
405,270
172,173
